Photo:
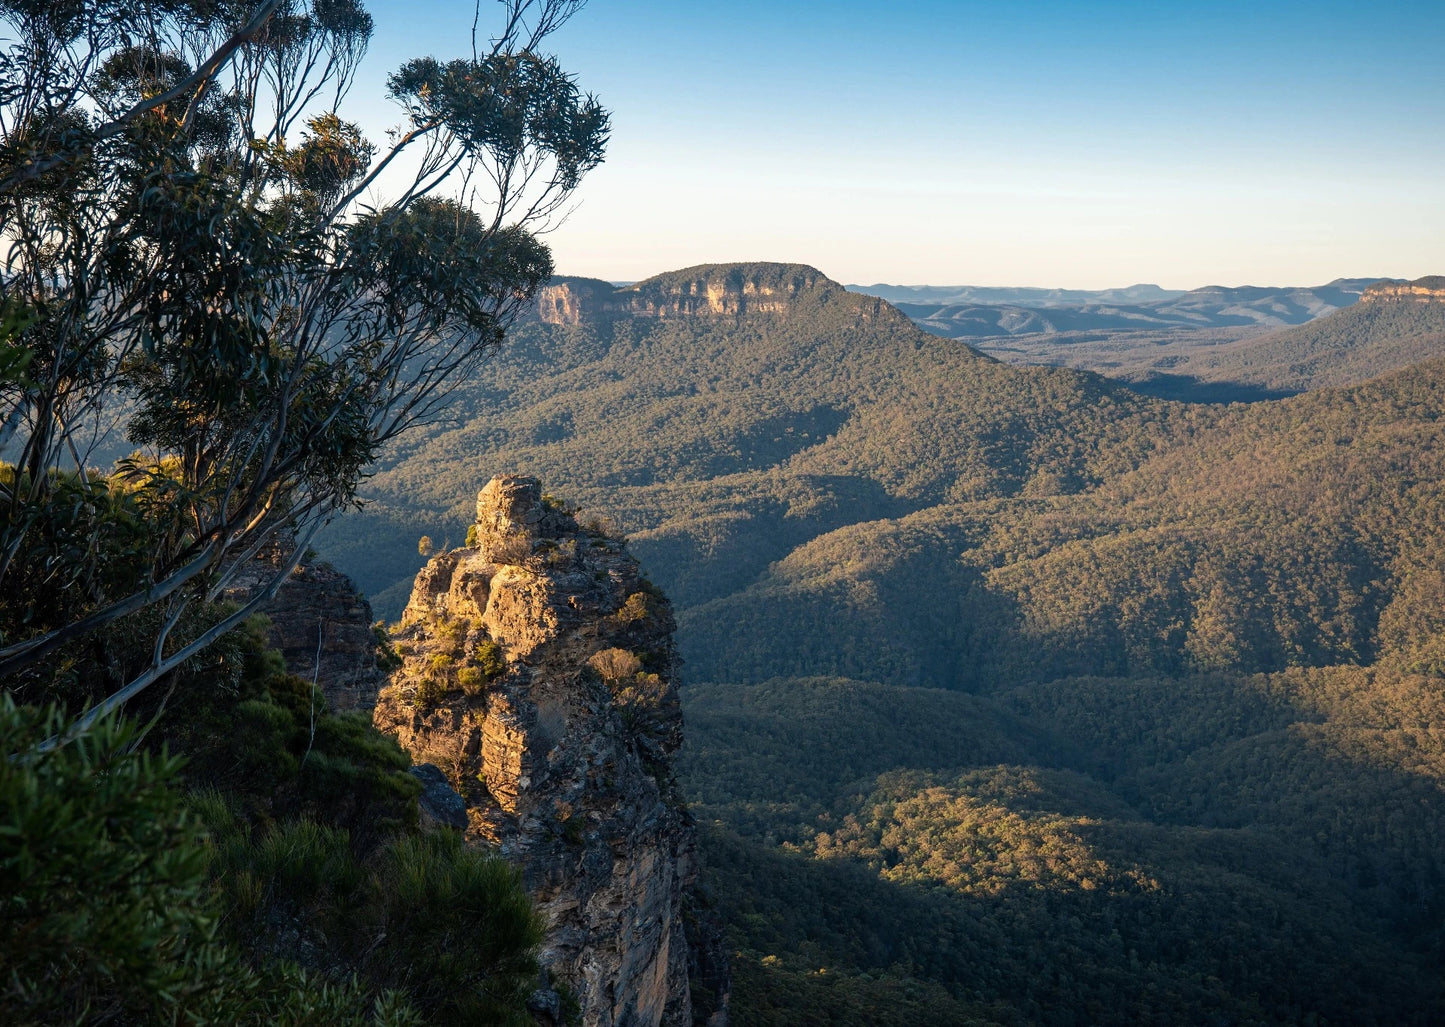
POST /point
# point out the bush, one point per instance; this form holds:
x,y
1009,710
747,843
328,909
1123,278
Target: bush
x,y
615,665
431,891
105,908
490,659
472,680
429,693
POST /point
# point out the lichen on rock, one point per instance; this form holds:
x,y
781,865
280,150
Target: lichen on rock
x,y
565,768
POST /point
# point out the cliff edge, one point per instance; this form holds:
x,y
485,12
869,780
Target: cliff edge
x,y
538,673
707,291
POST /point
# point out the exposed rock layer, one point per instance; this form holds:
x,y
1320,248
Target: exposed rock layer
x,y
710,290
1430,289
538,675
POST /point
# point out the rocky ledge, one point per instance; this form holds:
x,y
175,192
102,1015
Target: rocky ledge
x,y
1430,289
322,626
539,675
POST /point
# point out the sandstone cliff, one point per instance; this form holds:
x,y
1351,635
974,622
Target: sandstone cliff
x,y
538,674
709,290
1430,289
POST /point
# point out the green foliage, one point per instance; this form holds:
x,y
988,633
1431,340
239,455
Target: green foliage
x,y
389,914
312,826
455,631
430,693
105,898
431,890
471,680
261,332
1126,850
387,658
720,444
106,909
490,659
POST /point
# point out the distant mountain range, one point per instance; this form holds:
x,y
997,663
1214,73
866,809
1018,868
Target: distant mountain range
x,y
960,312
1395,324
966,295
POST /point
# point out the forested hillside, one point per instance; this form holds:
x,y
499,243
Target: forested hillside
x,y
702,434
1394,325
1211,346
1015,696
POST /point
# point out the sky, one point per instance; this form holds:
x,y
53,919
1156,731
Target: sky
x,y
1075,145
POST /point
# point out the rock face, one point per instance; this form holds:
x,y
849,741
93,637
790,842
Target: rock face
x,y
710,290
1430,289
318,617
538,674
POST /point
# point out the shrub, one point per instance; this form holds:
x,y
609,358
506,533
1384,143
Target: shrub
x,y
615,665
490,659
429,693
472,680
636,608
105,908
387,657
432,890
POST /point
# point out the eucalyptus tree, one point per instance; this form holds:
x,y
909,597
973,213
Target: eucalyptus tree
x,y
190,243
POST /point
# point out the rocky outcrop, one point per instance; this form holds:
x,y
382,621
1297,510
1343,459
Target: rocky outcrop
x,y
539,675
322,626
709,290
1430,289
570,301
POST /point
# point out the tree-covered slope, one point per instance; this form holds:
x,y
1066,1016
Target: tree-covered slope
x,y
1015,696
744,434
1152,850
1394,325
1299,533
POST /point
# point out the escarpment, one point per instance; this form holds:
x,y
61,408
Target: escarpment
x,y
708,290
1430,289
538,674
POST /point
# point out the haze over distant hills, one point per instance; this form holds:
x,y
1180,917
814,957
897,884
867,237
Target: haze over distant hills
x,y
1393,325
971,312
1014,695
1213,344
1018,297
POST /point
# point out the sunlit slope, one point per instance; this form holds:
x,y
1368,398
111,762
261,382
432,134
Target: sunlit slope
x,y
723,440
1305,532
1160,850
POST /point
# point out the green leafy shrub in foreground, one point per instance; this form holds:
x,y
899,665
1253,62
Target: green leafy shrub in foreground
x,y
106,911
270,873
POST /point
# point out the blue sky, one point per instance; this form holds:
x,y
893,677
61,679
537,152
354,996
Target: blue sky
x,y
1060,144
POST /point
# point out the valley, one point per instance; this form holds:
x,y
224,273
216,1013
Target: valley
x,y
1013,694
